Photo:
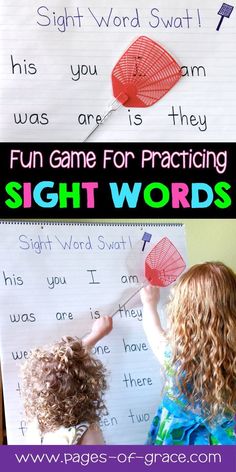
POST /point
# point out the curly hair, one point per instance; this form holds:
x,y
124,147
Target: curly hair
x,y
203,337
63,385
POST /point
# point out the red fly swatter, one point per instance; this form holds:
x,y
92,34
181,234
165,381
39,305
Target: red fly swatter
x,y
162,267
142,76
145,73
163,264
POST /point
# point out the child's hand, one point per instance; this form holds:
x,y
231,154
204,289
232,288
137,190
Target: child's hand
x,y
102,326
150,295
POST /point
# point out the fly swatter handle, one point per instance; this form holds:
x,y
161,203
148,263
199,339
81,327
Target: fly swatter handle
x,y
128,299
219,24
120,100
123,304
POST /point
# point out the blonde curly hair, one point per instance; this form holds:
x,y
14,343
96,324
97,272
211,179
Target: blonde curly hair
x,y
203,337
63,385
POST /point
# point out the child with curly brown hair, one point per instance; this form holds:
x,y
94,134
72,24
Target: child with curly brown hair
x,y
198,353
63,387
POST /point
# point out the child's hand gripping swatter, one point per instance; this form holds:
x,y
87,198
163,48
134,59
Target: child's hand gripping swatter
x,y
162,267
143,75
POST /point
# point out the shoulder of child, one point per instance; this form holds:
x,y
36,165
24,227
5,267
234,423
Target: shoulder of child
x,y
92,436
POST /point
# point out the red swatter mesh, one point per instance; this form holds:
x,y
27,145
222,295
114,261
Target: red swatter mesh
x,y
145,73
163,264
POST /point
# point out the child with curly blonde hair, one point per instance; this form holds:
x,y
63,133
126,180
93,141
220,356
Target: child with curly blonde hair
x,y
198,353
63,387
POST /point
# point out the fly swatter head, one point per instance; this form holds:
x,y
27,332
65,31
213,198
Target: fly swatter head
x,y
144,73
163,264
225,10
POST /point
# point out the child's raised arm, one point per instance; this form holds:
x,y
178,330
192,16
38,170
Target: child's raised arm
x,y
100,328
150,296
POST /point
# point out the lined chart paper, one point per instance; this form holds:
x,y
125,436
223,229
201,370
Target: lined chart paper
x,y
57,58
55,280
